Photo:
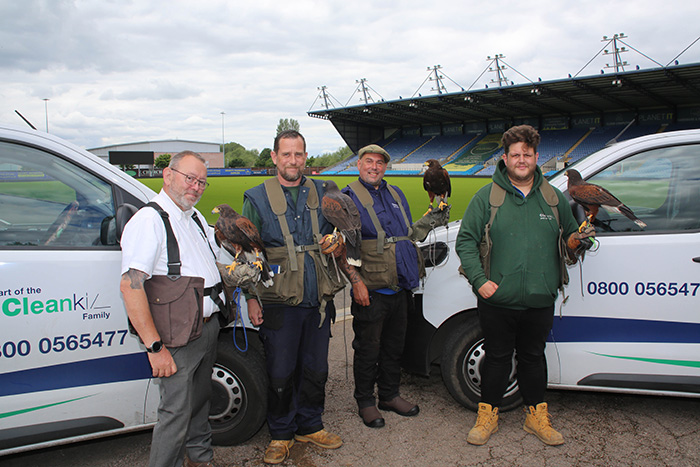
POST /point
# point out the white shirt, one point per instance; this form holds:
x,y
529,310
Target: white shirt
x,y
144,245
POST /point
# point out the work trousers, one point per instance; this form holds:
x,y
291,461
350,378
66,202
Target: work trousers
x,y
522,331
183,413
296,355
380,335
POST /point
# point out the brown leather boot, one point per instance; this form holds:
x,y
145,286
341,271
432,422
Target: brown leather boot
x,y
400,406
371,417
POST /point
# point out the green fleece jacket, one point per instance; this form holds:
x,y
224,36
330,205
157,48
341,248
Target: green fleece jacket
x,y
524,256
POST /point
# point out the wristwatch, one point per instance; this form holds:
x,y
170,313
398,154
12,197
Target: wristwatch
x,y
156,347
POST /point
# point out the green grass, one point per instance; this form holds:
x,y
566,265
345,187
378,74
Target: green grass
x,y
230,190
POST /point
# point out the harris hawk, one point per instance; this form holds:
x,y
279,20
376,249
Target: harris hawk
x,y
591,197
436,182
341,211
236,234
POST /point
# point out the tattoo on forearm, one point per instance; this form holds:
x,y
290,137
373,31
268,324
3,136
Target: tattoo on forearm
x,y
137,278
350,272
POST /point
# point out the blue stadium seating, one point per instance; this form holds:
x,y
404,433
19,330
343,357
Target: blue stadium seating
x,y
559,144
439,147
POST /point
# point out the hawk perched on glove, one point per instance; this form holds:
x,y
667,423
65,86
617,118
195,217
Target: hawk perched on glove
x,y
591,197
236,234
341,211
436,182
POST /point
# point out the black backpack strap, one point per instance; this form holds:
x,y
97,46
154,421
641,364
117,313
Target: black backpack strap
x,y
195,218
174,264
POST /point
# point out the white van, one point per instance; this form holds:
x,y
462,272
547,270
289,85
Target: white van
x,y
69,368
632,320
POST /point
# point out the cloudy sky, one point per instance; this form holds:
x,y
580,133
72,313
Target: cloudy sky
x,y
119,71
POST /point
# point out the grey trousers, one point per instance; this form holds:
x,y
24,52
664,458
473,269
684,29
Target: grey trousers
x,y
183,413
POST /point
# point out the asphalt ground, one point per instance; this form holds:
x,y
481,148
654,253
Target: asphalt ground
x,y
600,429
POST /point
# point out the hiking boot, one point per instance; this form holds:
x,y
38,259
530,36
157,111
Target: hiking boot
x,y
538,422
486,424
277,451
371,417
321,438
400,406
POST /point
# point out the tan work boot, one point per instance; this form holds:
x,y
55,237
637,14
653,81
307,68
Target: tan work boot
x,y
277,451
321,438
539,423
486,424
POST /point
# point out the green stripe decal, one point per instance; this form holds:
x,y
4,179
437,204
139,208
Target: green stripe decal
x,y
32,409
686,363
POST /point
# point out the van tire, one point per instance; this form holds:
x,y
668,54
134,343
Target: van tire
x,y
239,390
460,365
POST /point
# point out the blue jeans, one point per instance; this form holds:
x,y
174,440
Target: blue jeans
x,y
296,355
522,331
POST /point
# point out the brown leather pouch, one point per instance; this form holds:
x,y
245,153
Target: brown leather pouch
x,y
176,306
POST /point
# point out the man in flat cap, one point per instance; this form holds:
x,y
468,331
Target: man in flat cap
x,y
391,268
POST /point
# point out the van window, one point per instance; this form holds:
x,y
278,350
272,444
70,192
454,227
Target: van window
x,y
661,186
47,202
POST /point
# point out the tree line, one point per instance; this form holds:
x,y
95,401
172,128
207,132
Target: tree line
x,y
236,155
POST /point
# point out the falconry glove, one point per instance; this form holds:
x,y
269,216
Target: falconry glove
x,y
245,275
579,242
430,220
333,243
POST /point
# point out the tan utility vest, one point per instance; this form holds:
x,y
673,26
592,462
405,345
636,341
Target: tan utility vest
x,y
288,283
379,255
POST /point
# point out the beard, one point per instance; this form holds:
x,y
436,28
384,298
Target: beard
x,y
291,176
185,202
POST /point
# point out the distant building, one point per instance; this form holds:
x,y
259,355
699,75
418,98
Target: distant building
x,y
145,153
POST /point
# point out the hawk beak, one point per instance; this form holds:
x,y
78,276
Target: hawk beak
x,y
215,210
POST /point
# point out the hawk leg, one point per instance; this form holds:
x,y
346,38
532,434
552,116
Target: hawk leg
x,y
232,267
586,223
258,262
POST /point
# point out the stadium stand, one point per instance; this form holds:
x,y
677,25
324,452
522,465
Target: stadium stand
x,y
438,147
477,154
401,148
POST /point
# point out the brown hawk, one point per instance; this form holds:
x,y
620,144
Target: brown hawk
x,y
591,197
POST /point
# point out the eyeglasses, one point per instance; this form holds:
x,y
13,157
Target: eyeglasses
x,y
192,180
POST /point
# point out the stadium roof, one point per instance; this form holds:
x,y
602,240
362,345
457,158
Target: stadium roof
x,y
661,89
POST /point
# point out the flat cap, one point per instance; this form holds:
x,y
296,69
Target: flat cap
x,y
374,149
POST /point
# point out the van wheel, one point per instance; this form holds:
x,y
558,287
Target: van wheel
x,y
239,391
462,358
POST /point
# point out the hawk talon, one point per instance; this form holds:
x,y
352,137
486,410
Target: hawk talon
x,y
585,224
232,267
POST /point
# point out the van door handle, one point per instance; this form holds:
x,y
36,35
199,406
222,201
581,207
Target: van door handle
x,y
696,259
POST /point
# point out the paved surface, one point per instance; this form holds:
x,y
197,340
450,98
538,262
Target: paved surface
x,y
599,429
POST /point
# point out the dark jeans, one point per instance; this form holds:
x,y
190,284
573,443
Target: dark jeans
x,y
522,331
296,355
380,334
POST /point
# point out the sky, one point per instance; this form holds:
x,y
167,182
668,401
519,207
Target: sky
x,y
121,71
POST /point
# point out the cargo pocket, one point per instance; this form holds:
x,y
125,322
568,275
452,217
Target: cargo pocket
x,y
287,286
176,306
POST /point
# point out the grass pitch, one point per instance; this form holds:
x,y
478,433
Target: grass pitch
x,y
230,190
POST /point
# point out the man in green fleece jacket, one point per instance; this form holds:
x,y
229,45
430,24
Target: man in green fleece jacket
x,y
516,301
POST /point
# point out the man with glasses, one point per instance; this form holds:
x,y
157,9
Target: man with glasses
x,y
184,370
